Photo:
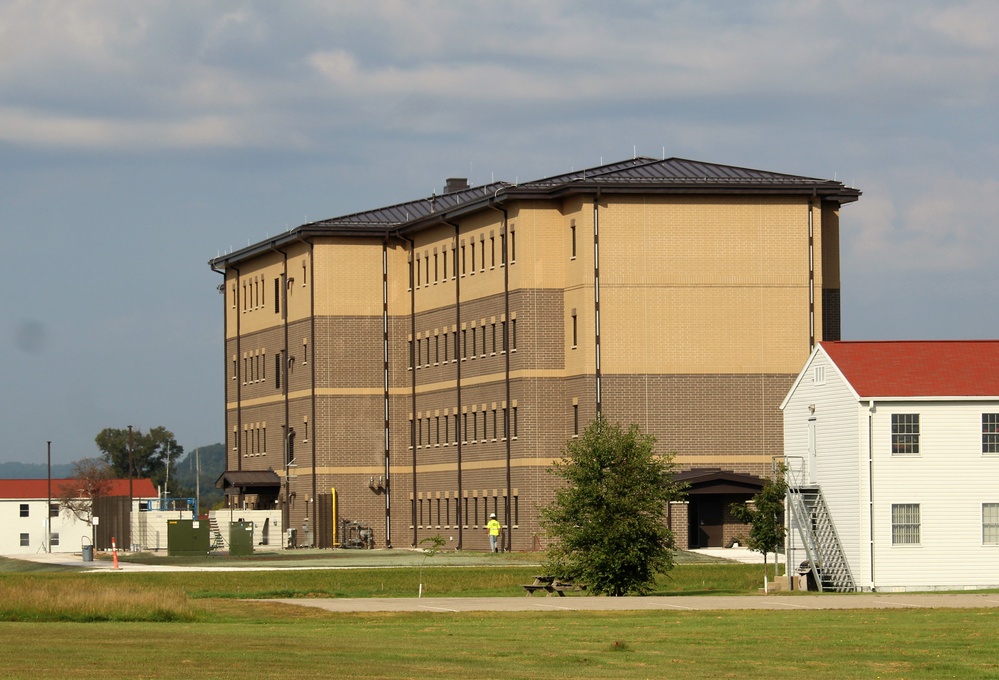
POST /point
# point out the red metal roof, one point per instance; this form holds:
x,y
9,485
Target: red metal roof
x,y
919,368
38,488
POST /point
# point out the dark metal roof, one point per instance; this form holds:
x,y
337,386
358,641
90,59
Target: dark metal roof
x,y
676,176
246,479
717,481
403,213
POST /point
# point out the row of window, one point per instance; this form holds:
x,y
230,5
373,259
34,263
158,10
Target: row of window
x,y
432,268
255,291
905,524
26,540
468,343
25,510
905,433
448,512
475,426
255,366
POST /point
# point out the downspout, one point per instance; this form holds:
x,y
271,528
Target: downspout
x,y
870,483
811,274
312,388
387,487
239,391
412,365
506,378
596,297
288,431
457,316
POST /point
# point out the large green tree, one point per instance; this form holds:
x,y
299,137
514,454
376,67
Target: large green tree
x,y
765,515
148,455
607,523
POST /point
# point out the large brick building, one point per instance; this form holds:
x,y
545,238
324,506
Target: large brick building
x,y
420,366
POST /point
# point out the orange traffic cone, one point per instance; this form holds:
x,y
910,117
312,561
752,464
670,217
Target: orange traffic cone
x,y
114,552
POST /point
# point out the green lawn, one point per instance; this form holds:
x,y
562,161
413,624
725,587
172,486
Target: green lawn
x,y
194,625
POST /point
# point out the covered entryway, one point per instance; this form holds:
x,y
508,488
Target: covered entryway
x,y
710,494
252,490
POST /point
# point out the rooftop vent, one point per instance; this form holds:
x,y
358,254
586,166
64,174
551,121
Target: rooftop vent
x,y
453,184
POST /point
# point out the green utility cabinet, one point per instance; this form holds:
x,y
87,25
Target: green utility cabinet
x,y
188,537
241,538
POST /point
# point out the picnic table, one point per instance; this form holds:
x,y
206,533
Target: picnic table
x,y
551,585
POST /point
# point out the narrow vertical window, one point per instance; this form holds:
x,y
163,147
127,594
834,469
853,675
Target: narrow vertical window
x,y
437,349
444,262
445,347
277,296
990,523
463,267
575,420
513,334
503,336
513,247
411,353
277,370
411,274
905,524
454,262
905,434
492,251
503,248
492,329
464,344
575,330
494,425
475,426
417,272
426,268
482,247
990,433
572,238
472,244
515,424
436,268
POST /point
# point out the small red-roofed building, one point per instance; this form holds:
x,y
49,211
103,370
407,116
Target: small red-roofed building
x,y
24,517
892,450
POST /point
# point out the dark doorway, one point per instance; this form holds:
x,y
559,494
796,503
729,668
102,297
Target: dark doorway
x,y
710,527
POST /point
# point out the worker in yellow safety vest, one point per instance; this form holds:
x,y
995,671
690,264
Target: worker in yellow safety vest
x,y
493,527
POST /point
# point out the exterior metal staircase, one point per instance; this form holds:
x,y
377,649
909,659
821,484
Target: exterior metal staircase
x,y
811,518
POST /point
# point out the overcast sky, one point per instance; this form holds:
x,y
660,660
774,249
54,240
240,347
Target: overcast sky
x,y
140,139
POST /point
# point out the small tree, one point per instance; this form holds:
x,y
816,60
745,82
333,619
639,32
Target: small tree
x,y
92,479
765,517
607,525
148,455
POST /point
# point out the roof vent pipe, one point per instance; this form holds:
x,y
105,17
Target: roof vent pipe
x,y
454,184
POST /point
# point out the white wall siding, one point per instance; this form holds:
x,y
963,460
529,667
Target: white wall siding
x,y
950,479
837,442
12,525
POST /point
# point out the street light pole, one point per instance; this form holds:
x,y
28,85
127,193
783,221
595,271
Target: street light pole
x,y
48,505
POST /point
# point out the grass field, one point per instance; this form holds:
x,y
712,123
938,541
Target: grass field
x,y
194,625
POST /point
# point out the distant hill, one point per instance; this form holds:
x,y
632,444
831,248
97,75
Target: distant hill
x,y
212,466
35,471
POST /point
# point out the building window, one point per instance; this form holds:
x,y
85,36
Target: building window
x,y
990,523
905,524
513,335
25,540
492,251
436,268
513,247
277,296
444,261
426,268
24,509
53,509
990,433
515,424
575,330
575,420
572,238
53,540
472,244
905,434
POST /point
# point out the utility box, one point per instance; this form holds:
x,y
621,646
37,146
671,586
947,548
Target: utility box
x,y
188,537
240,538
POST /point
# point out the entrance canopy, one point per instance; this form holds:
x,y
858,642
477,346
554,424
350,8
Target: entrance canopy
x,y
236,482
704,481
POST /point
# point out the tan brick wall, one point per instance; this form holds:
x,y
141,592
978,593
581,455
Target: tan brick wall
x,y
704,324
